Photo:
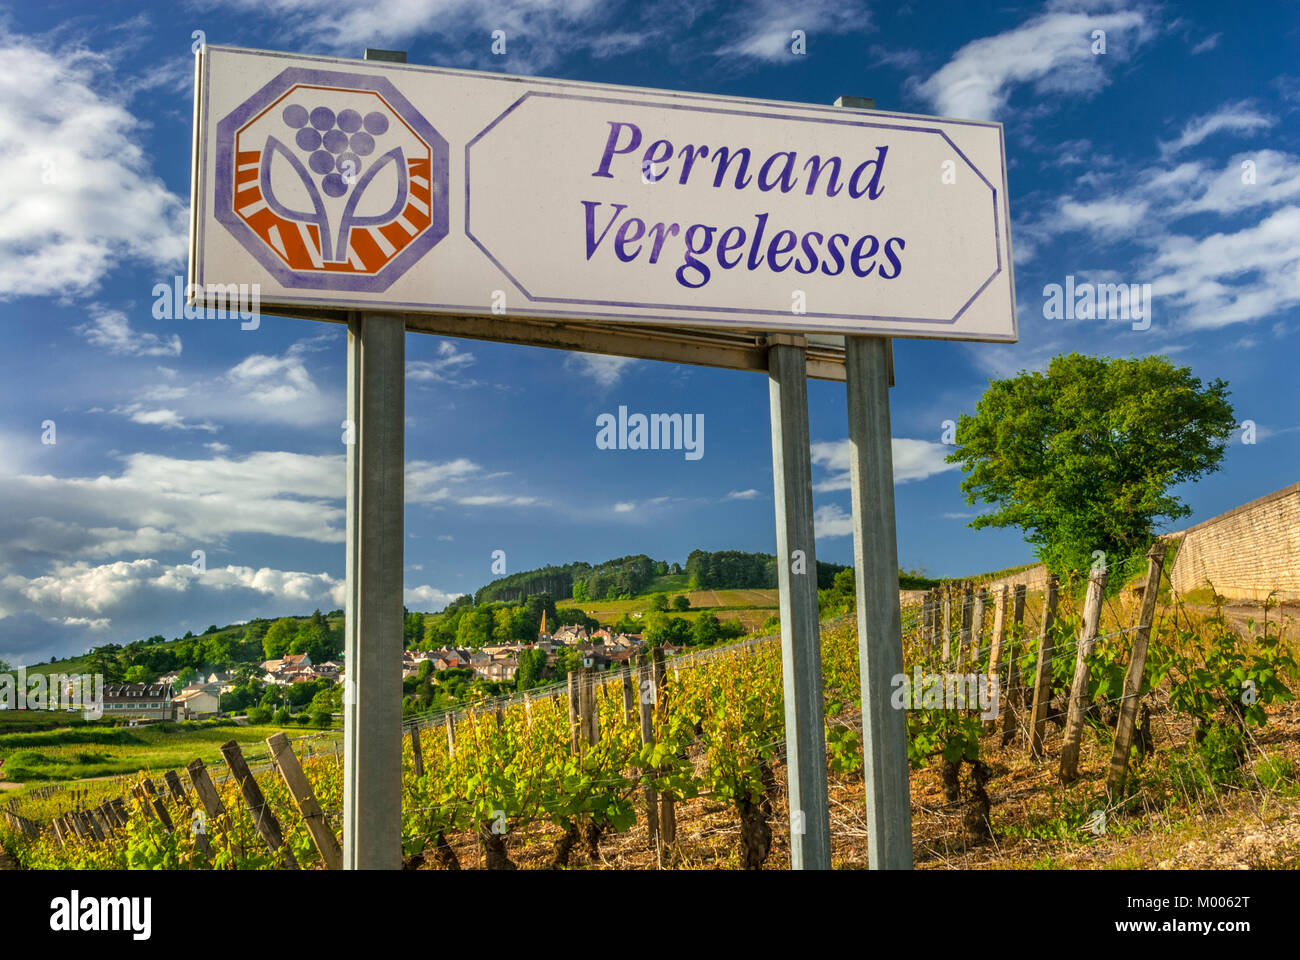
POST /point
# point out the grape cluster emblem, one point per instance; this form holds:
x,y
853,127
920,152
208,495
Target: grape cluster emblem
x,y
331,180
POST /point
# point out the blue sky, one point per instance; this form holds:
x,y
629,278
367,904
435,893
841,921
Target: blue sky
x,y
174,436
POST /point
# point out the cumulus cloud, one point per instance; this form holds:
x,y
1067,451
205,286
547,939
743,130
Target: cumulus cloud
x,y
77,605
448,366
111,330
78,195
832,521
605,370
913,460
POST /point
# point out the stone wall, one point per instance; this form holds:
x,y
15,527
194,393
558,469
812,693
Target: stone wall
x,y
1245,553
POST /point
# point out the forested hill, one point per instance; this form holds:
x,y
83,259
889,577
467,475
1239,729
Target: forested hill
x,y
633,575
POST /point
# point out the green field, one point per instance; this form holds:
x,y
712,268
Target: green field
x,y
84,751
750,607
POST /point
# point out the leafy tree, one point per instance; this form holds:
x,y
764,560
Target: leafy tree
x,y
136,674
659,602
580,590
282,715
532,665
259,715
475,629
681,603
186,675
662,630
279,637
706,629
1081,458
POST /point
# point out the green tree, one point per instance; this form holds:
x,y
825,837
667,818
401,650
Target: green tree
x,y
279,637
186,675
659,602
662,630
1081,458
706,629
681,603
136,674
532,664
580,590
259,715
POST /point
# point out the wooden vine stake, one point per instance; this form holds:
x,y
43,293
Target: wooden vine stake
x,y
415,753
646,698
1043,675
977,625
304,797
263,817
667,809
1133,677
1010,698
967,614
1079,685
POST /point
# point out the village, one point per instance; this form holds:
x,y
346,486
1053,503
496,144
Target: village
x,y
600,649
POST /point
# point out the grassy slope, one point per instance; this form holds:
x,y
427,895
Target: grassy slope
x,y
71,753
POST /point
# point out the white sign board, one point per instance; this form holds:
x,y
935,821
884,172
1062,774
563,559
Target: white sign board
x,y
350,184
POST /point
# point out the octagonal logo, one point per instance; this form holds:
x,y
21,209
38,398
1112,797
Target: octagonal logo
x,y
333,181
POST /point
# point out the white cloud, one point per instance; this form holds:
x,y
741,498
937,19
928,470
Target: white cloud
x,y
750,494
605,370
763,30
111,330
261,388
165,503
537,32
1239,117
831,521
76,605
427,599
913,460
457,481
78,196
1052,53
624,507
1209,43
447,366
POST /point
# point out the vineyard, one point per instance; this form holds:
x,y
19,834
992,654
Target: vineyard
x,y
1085,715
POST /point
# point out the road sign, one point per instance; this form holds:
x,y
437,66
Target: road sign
x,y
343,185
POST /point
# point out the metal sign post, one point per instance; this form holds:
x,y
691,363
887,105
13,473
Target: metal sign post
x,y
801,648
372,709
868,376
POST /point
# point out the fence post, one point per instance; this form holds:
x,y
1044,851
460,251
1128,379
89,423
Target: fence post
x,y
451,734
999,631
1079,685
574,746
646,698
963,637
1014,695
263,817
1043,675
300,789
415,752
667,808
977,626
629,700
947,622
1133,676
